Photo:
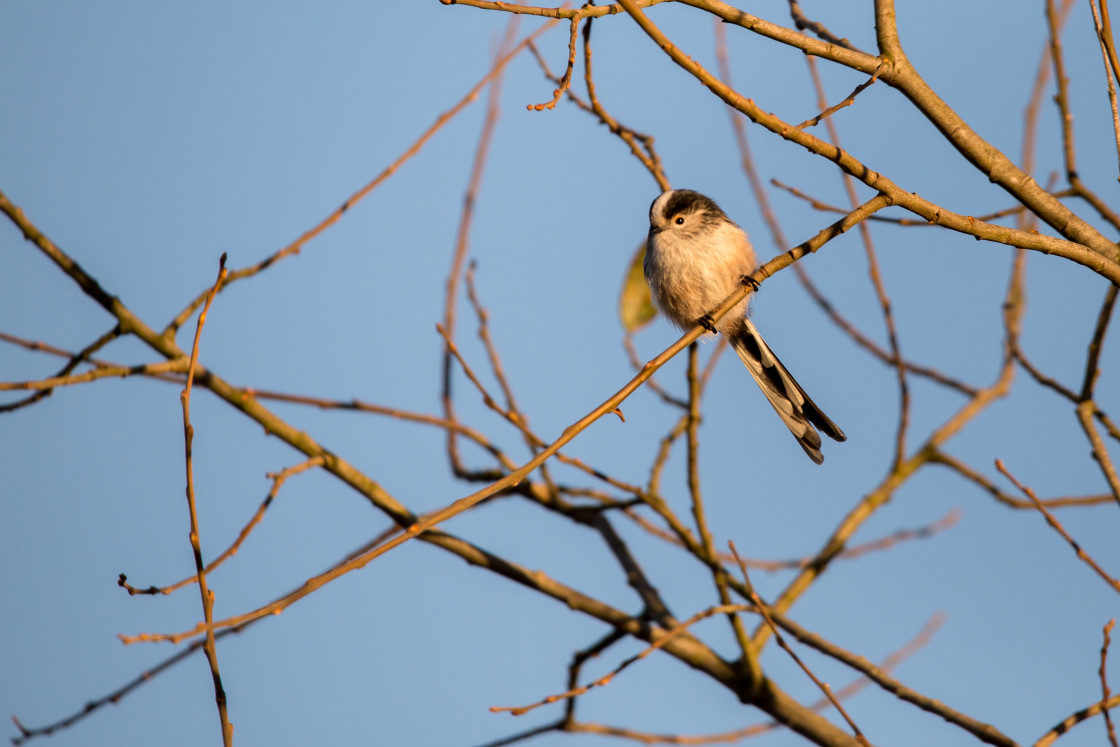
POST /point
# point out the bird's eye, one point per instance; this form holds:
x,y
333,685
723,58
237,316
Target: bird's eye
x,y
679,220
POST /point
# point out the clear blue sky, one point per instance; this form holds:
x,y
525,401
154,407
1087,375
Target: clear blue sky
x,y
146,140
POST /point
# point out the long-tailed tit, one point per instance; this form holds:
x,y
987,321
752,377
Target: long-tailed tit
x,y
695,258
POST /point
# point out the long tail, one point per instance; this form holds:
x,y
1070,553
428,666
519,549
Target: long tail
x,y
797,411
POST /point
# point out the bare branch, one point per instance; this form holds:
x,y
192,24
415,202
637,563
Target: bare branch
x,y
336,215
1111,64
626,663
566,80
1057,526
1086,245
984,732
210,646
822,686
1076,718
278,479
1105,692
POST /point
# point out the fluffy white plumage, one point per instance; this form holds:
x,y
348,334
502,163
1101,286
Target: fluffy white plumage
x,y
695,258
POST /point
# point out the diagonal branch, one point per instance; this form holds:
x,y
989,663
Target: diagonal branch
x,y
1085,245
295,246
1057,527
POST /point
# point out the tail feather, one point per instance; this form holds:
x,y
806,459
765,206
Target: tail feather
x,y
800,414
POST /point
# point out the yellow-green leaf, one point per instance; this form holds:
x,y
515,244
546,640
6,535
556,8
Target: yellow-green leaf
x,y
635,305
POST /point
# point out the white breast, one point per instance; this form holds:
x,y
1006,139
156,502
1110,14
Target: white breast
x,y
691,275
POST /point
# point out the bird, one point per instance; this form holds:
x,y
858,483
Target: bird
x,y
695,258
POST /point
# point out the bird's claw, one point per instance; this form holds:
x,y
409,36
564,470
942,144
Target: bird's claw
x,y
707,323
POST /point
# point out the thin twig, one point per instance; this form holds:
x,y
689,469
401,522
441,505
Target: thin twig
x,y
1082,242
1061,98
592,11
647,738
1063,726
332,218
528,734
895,358
984,732
278,479
1093,356
1105,691
707,544
115,697
1054,22
940,457
76,359
918,642
851,99
462,239
210,647
606,679
177,365
1099,450
511,409
824,688
655,607
566,80
646,153
882,493
1110,41
515,477
515,419
581,657
805,24
640,144
652,385
822,206
1057,526
496,368
778,236
883,543
1057,386
1111,65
